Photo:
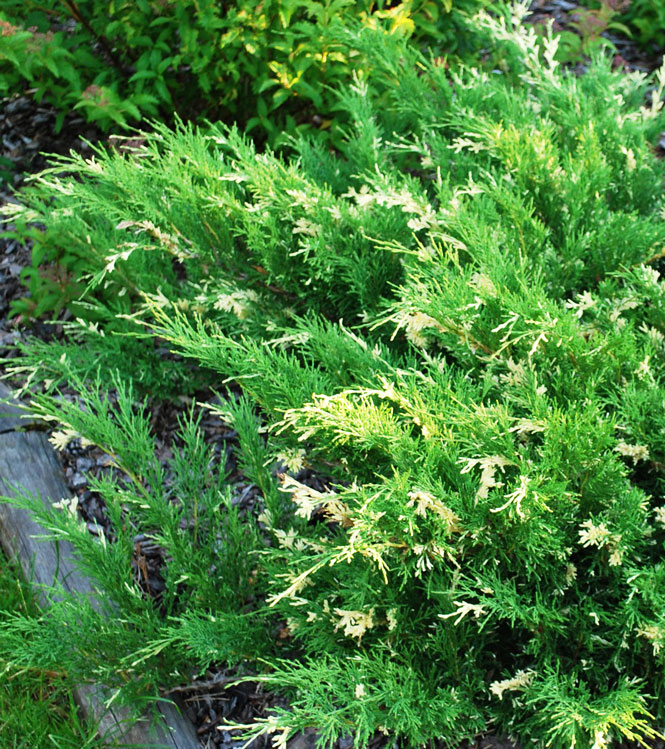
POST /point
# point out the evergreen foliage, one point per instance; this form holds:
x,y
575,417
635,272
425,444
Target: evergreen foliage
x,y
458,322
36,711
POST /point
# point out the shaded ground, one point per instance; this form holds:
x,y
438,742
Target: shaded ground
x,y
27,134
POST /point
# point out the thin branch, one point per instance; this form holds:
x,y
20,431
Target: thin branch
x,y
76,14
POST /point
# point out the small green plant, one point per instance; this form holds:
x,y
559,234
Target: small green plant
x,y
6,170
35,709
126,61
645,20
589,25
456,323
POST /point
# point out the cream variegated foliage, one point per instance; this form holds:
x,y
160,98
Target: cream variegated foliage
x,y
448,515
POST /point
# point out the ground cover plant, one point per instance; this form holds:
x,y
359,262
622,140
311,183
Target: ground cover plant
x,y
456,324
645,18
268,64
589,28
35,709
640,20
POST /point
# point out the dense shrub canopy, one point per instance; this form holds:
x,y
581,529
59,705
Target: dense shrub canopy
x,y
267,64
458,322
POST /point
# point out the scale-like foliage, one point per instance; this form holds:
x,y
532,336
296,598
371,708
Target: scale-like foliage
x,y
457,323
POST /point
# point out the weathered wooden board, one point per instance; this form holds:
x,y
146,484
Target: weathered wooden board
x,y
10,413
28,463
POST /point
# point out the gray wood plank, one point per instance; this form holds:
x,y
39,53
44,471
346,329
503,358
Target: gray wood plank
x,y
28,463
10,412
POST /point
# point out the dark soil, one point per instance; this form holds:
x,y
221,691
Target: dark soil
x,y
27,135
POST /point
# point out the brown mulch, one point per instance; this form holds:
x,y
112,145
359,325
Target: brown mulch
x,y
27,135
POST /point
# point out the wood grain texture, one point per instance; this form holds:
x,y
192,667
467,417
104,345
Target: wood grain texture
x,y
29,464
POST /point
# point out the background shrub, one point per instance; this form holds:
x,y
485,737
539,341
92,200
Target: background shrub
x,y
643,20
125,61
646,18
